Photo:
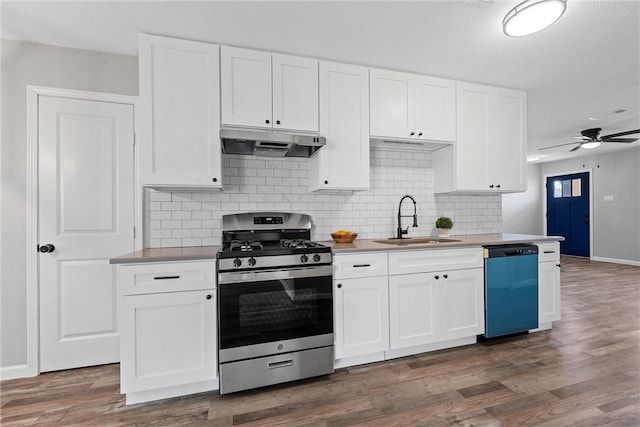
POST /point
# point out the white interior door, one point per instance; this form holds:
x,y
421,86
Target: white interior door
x,y
85,210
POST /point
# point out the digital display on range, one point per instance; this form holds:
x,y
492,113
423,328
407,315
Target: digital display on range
x,y
267,220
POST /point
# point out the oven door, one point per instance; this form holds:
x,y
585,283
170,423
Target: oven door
x,y
274,311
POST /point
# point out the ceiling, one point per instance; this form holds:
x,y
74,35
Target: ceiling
x,y
585,65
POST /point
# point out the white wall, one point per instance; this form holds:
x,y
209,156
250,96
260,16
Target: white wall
x,y
255,183
39,65
522,212
616,224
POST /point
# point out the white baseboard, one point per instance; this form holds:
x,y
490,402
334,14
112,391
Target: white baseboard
x,y
426,348
358,360
12,372
616,261
173,391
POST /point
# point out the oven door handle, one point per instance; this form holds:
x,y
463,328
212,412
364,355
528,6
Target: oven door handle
x,y
261,276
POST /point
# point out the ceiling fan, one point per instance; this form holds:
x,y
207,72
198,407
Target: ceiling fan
x,y
590,139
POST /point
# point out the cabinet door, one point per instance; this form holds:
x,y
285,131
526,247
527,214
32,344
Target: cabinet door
x,y
343,164
246,87
179,113
548,292
413,310
472,143
462,303
295,93
392,104
435,108
361,316
508,140
167,339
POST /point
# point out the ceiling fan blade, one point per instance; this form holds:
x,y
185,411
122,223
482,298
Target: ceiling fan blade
x,y
628,132
576,148
619,139
560,145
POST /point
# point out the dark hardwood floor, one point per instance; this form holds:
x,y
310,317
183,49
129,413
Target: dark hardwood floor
x,y
585,372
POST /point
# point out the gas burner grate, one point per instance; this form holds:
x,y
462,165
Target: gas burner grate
x,y
298,244
245,245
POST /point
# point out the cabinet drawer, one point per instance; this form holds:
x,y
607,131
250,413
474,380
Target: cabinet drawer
x,y
548,251
360,265
421,261
166,277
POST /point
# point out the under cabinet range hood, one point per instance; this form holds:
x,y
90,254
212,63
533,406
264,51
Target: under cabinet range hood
x,y
269,143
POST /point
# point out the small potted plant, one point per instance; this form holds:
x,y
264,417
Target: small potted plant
x,y
444,224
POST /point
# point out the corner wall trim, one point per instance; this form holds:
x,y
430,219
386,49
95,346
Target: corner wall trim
x,y
616,261
12,372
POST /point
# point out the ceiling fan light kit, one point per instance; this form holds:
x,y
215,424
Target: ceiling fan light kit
x,y
590,145
531,16
591,139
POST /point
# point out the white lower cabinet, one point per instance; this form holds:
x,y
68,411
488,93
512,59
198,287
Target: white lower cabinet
x,y
361,307
361,316
399,303
437,306
168,339
462,303
548,283
413,310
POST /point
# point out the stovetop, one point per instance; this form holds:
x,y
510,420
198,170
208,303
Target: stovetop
x,y
268,240
255,248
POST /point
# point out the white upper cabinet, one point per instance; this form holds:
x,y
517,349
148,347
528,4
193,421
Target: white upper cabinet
x,y
508,139
246,87
265,90
179,144
343,163
490,150
409,107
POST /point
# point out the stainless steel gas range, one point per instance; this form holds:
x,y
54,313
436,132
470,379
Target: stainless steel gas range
x,y
275,314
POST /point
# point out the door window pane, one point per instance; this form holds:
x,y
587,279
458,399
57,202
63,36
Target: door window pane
x,y
557,189
576,187
566,188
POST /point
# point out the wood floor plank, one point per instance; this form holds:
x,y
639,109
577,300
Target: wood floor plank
x,y
583,372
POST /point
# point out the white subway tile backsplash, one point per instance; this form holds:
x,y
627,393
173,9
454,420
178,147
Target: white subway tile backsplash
x,y
182,218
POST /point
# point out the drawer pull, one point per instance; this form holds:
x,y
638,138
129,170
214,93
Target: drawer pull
x,y
280,364
166,277
549,252
361,265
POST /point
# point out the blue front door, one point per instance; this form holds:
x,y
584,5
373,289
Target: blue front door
x,y
568,212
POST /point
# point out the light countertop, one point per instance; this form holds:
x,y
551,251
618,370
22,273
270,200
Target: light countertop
x,y
359,245
186,253
365,245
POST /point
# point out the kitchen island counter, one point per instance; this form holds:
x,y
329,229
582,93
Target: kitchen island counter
x,y
473,240
187,253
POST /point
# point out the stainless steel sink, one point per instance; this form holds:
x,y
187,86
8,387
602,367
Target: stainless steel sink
x,y
417,241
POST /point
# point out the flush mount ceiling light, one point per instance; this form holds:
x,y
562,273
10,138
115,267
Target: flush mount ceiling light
x,y
531,16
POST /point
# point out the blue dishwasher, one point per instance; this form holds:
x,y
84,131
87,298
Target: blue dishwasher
x,y
511,289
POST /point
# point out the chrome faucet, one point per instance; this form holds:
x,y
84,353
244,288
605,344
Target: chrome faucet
x,y
400,216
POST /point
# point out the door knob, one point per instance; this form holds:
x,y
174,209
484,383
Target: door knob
x,y
46,248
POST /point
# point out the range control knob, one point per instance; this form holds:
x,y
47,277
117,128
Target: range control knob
x,y
304,258
316,258
237,262
252,261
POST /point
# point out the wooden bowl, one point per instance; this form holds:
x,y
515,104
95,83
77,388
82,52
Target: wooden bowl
x,y
344,239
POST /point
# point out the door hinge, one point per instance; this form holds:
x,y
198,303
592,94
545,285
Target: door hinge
x,y
134,232
134,138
